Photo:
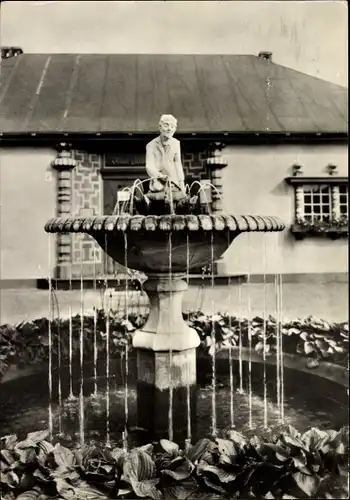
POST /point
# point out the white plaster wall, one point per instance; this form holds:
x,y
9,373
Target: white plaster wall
x,y
254,184
28,200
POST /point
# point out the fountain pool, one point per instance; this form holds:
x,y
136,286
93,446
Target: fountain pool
x,y
307,402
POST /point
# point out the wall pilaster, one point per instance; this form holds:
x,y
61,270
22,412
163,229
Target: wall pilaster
x,y
63,164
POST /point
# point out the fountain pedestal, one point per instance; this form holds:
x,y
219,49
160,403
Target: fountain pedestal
x,y
166,362
165,329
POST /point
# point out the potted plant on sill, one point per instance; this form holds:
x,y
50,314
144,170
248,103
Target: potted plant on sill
x,y
333,228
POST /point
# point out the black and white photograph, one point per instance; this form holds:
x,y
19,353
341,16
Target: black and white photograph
x,y
174,250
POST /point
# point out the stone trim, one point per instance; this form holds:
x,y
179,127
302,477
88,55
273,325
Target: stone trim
x,y
64,164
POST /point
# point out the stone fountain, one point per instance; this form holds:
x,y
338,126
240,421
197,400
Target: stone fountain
x,y
166,248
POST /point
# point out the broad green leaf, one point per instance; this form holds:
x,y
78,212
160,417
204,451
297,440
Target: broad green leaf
x,y
8,457
292,441
147,489
340,449
170,447
255,441
236,437
322,345
308,484
147,448
86,492
223,476
63,456
213,486
32,494
10,478
226,447
300,461
9,496
46,447
312,363
179,469
281,456
294,432
123,491
309,347
119,455
314,439
177,492
26,455
65,489
294,331
38,436
63,472
196,451
26,443
138,466
8,442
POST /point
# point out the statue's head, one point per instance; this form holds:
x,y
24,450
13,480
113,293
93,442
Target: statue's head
x,y
167,126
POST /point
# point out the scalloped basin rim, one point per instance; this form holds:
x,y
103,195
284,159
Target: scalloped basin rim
x,y
126,223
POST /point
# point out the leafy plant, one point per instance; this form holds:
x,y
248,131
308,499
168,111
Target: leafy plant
x,y
323,226
292,465
28,343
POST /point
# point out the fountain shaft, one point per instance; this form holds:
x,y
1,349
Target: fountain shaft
x,y
166,361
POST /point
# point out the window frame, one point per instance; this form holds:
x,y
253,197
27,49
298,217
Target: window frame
x,y
337,225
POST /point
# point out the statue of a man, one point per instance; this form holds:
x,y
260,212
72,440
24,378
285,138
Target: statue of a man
x,y
163,157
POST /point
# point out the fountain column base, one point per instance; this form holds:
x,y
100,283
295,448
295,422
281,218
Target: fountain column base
x,y
166,362
167,394
165,329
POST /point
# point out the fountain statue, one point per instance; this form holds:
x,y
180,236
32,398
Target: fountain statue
x,y
164,234
163,158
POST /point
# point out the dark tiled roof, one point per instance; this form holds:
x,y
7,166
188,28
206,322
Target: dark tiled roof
x,y
127,93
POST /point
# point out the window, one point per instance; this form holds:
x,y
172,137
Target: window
x,y
321,205
317,202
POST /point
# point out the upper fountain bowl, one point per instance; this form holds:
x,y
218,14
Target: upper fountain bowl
x,y
159,244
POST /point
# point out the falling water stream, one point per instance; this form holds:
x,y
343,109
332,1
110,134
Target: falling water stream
x,y
50,345
70,337
188,390
108,313
264,336
107,377
70,352
232,416
280,288
81,344
170,414
249,318
213,337
126,375
279,341
240,358
95,328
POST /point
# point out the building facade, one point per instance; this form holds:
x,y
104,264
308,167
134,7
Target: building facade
x,y
74,129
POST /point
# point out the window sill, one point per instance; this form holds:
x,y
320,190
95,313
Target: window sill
x,y
333,232
301,179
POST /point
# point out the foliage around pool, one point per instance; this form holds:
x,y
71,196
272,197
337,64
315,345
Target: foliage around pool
x,y
28,343
289,465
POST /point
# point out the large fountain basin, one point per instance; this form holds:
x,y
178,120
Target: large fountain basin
x,y
159,244
24,410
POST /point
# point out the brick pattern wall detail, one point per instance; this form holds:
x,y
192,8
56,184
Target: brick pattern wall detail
x,y
87,200
195,166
